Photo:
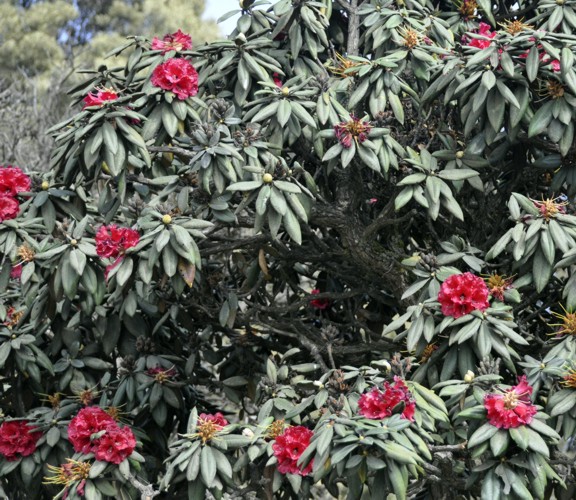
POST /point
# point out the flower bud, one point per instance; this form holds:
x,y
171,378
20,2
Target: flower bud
x,y
460,154
267,178
285,91
469,377
45,185
248,432
166,219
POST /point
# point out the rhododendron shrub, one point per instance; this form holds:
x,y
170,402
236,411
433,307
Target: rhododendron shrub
x,y
333,254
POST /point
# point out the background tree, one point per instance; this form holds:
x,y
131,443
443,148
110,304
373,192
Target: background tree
x,y
336,249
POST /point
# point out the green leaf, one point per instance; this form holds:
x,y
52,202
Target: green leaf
x,y
565,404
483,433
284,112
488,79
262,200
292,226
536,443
532,63
207,466
540,427
541,270
541,119
499,442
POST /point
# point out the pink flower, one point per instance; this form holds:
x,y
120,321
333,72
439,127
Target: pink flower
x,y
277,80
16,272
319,303
546,59
13,181
18,439
176,41
378,404
115,445
288,448
89,421
512,408
484,30
217,420
461,294
354,129
9,208
113,241
99,98
177,75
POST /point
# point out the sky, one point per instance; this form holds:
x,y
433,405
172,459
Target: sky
x,y
217,8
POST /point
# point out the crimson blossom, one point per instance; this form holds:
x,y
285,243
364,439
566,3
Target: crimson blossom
x,y
177,75
88,422
176,41
378,403
216,419
13,181
484,30
18,439
113,241
461,294
115,445
9,208
512,408
288,448
93,430
100,97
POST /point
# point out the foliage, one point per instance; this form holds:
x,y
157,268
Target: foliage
x,y
341,245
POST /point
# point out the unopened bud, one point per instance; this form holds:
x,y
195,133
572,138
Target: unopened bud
x,y
267,178
73,242
166,219
247,432
460,154
285,90
45,185
469,377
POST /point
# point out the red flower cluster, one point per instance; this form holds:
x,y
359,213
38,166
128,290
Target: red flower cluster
x,y
512,408
319,303
378,404
94,431
12,182
177,75
461,294
288,448
217,419
352,130
113,241
100,97
18,439
176,41
484,30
